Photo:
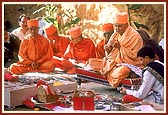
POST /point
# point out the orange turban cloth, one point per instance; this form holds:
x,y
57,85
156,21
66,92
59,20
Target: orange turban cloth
x,y
32,22
107,27
75,32
50,29
120,18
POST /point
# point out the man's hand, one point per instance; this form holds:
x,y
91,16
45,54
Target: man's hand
x,y
123,90
117,45
108,48
35,65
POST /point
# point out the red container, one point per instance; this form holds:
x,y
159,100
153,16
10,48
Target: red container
x,y
83,103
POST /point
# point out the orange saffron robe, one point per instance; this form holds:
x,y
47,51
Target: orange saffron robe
x,y
82,51
100,52
34,50
130,43
59,47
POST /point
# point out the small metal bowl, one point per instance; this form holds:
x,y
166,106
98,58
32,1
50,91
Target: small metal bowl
x,y
115,106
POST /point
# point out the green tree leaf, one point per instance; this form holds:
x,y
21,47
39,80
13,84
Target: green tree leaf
x,y
138,25
135,6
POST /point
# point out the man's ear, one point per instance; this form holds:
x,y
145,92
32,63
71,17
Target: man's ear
x,y
147,58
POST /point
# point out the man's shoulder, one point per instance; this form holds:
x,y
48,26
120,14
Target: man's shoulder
x,y
132,31
88,40
153,68
156,63
64,38
16,30
101,43
41,37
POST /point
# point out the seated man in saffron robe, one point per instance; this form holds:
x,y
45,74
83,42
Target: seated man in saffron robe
x,y
35,53
58,43
123,46
95,63
107,32
80,49
152,87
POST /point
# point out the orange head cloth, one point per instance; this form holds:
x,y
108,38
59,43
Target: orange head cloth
x,y
32,22
75,32
107,27
120,18
50,29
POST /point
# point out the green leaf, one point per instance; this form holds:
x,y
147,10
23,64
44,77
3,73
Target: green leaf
x,y
135,6
75,21
50,20
53,9
67,24
46,19
138,25
47,7
143,26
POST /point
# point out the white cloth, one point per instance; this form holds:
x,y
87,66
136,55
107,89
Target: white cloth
x,y
42,24
135,69
161,43
18,32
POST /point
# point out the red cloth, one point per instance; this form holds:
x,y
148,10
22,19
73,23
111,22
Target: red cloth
x,y
91,74
130,98
83,103
126,82
50,106
9,77
101,78
28,103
